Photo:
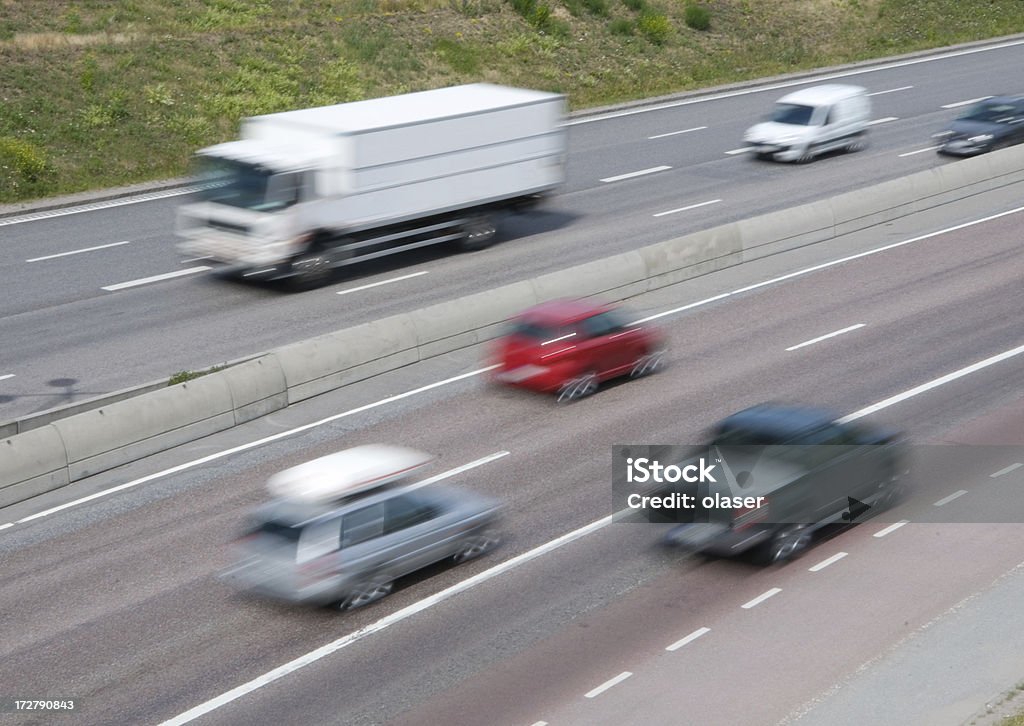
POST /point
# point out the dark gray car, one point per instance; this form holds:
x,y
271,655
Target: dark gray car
x,y
991,124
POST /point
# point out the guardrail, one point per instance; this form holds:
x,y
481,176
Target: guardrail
x,y
83,444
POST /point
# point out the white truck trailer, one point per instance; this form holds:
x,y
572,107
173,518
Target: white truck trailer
x,y
304,192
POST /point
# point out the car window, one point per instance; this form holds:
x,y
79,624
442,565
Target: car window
x,y
317,540
361,525
542,334
406,510
791,113
990,112
604,323
833,435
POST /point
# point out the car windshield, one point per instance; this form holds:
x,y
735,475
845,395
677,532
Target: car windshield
x,y
990,112
791,113
538,332
243,185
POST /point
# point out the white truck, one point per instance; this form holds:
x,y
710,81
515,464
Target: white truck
x,y
304,192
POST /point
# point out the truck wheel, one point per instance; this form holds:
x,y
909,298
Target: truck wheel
x,y
314,267
786,544
366,592
478,233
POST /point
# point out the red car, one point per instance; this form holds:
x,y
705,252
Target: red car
x,y
571,346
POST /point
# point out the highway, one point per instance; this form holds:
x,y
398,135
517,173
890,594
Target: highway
x,y
115,600
99,300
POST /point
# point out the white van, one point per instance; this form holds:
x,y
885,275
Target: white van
x,y
812,121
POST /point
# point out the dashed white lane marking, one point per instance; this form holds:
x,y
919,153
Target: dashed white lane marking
x,y
459,469
891,528
1007,470
155,278
540,723
891,90
820,338
630,175
689,638
761,598
887,119
676,133
608,684
5,526
826,562
382,282
951,497
78,252
919,151
685,209
6,376
968,102
744,150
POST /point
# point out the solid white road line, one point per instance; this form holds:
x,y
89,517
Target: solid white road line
x,y
891,90
676,133
891,528
951,497
155,278
632,174
78,252
689,638
692,206
6,376
608,684
459,469
5,526
761,598
826,562
948,378
919,151
968,102
1007,470
799,82
812,341
744,150
96,206
385,622
382,282
251,445
826,265
882,120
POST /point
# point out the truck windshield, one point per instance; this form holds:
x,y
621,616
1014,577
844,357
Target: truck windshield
x,y
245,185
791,113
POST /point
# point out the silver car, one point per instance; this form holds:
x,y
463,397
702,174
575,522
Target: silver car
x,y
344,527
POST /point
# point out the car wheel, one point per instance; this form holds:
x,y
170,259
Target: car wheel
x,y
786,544
367,591
577,388
477,544
892,494
856,144
647,364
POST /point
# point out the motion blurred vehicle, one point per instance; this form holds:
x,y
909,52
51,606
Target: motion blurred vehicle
x,y
994,123
304,192
810,470
342,528
570,347
812,121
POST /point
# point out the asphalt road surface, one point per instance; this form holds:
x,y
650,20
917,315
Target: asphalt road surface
x,y
115,600
89,307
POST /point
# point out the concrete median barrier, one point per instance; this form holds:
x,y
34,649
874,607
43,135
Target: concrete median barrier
x,y
128,430
337,359
257,387
85,443
32,463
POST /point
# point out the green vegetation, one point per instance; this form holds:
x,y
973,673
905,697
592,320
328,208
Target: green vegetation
x,y
697,17
183,376
99,93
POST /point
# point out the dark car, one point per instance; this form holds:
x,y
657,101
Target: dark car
x,y
988,125
569,347
805,468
